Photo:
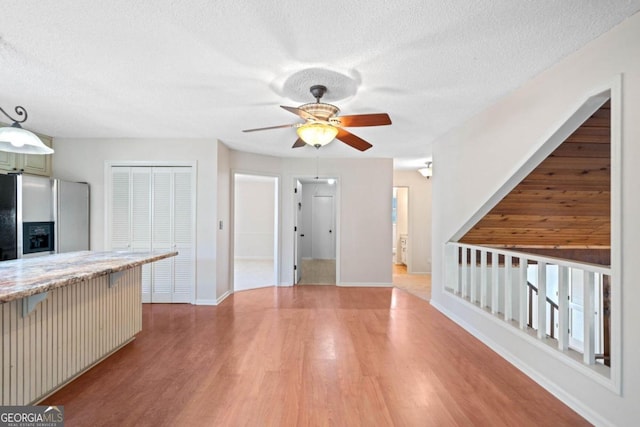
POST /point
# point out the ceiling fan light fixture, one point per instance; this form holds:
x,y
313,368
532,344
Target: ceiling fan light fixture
x,y
15,139
317,134
427,171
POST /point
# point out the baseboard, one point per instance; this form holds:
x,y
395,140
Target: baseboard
x,y
365,285
206,302
213,301
223,296
536,376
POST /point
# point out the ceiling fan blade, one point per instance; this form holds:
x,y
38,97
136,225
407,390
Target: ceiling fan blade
x,y
299,143
299,112
377,119
352,140
271,127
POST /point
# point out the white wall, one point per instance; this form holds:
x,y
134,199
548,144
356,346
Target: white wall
x,y
473,161
253,219
419,219
223,283
402,209
84,160
363,194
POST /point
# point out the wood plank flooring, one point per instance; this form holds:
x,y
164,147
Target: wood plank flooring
x,y
307,356
416,284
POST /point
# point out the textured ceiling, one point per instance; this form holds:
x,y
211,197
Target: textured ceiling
x,y
208,69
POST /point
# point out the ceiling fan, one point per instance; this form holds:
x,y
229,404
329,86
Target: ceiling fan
x,y
322,125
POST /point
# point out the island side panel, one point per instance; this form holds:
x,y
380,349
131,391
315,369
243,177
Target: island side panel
x,y
74,328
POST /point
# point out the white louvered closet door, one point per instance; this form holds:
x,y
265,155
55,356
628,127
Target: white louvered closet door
x,y
162,224
141,222
152,209
120,208
183,235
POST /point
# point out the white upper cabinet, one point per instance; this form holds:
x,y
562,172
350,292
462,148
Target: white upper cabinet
x,y
34,164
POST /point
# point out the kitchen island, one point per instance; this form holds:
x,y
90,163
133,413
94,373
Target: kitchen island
x,y
62,314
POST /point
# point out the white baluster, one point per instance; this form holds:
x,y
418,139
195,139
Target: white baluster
x,y
563,308
456,268
483,279
522,289
589,310
495,282
472,271
508,290
542,300
465,273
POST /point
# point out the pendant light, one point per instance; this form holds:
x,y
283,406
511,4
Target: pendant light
x,y
15,139
317,134
427,171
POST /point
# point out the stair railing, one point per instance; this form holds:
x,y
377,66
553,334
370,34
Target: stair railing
x,y
553,309
495,280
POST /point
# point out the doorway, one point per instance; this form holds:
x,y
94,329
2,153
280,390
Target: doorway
x,y
400,227
315,231
255,216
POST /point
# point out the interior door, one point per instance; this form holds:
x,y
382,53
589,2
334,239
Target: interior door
x,y
151,208
322,238
297,244
183,236
139,210
162,227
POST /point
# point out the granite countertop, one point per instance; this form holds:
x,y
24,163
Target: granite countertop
x,y
29,276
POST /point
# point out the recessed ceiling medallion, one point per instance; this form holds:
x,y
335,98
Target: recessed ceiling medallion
x,y
340,85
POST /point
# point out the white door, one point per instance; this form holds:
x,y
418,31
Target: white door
x,y
140,213
183,235
151,208
322,229
120,209
162,236
297,244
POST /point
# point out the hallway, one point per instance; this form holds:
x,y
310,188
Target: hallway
x,y
416,284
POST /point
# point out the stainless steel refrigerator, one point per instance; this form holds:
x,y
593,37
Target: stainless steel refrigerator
x,y
42,216
71,202
8,217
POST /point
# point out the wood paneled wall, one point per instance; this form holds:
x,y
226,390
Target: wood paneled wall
x,y
563,206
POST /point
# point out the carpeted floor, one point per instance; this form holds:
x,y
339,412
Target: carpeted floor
x,y
318,272
416,284
323,272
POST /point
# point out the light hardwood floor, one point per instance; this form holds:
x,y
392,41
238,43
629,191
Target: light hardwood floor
x,y
416,284
307,356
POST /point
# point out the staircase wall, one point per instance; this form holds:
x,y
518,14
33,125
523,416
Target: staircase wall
x,y
474,161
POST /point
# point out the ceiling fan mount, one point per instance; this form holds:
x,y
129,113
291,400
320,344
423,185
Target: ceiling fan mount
x,y
322,123
318,91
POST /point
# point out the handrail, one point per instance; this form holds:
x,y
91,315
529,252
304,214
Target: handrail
x,y
533,288
594,268
549,300
494,280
